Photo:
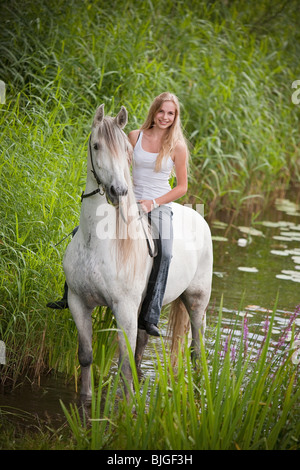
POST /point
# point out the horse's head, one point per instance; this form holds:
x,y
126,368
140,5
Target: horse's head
x,y
110,152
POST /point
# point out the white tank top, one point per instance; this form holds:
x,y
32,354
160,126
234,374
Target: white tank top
x,y
148,183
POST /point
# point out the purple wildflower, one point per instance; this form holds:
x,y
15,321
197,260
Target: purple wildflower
x,y
233,353
287,329
225,347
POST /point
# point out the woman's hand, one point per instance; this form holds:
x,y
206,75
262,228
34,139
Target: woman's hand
x,y
147,205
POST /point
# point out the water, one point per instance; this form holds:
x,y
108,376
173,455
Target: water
x,y
257,269
34,405
260,260
256,259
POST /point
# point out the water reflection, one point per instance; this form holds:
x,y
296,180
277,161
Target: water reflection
x,y
256,269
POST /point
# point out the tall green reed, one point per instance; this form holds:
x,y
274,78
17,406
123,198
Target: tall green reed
x,y
225,403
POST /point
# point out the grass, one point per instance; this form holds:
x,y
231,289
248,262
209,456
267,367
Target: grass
x,y
224,404
232,71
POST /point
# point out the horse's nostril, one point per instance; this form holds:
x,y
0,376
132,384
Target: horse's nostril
x,y
115,192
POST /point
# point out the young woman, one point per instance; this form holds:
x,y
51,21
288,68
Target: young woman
x,y
159,147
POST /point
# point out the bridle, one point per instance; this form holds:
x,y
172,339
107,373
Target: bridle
x,y
99,183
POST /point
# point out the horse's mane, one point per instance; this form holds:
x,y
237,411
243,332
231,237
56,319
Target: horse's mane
x,y
130,239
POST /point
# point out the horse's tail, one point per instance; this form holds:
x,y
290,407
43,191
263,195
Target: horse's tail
x,y
179,325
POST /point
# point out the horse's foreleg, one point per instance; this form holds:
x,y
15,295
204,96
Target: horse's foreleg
x,y
83,320
126,316
142,340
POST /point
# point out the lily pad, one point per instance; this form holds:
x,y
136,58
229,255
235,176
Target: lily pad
x,y
279,252
251,231
219,239
280,237
295,251
248,269
287,206
289,275
285,223
292,273
290,234
283,276
266,223
219,224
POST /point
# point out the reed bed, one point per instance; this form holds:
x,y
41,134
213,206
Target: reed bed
x,y
225,403
232,71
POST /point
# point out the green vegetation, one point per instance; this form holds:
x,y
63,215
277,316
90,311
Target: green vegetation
x,y
232,68
229,402
236,398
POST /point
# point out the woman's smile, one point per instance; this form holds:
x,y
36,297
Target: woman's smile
x,y
166,115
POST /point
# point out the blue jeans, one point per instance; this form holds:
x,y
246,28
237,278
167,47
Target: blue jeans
x,y
161,220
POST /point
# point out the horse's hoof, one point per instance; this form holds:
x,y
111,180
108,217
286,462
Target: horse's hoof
x,y
85,398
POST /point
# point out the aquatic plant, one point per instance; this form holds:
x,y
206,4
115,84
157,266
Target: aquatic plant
x,y
226,403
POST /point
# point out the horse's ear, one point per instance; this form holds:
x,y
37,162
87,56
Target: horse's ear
x,y
122,118
99,115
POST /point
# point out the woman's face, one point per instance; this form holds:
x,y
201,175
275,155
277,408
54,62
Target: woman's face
x,y
165,116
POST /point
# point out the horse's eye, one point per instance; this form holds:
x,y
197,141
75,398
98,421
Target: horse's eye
x,y
96,146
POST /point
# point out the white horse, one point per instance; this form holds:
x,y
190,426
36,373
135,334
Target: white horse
x,y
108,263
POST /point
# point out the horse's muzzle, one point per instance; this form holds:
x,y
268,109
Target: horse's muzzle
x,y
115,192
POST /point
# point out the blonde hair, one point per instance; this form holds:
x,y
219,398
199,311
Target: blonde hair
x,y
174,132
